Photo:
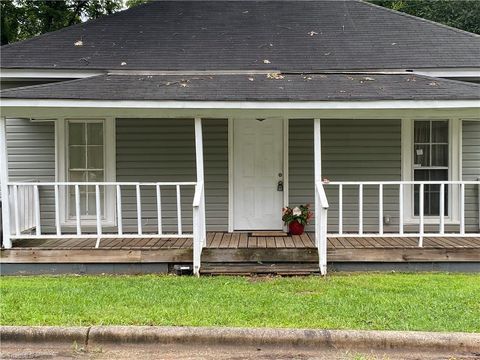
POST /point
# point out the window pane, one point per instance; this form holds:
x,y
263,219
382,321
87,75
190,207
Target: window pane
x,y
77,159
440,131
95,133
440,155
72,205
95,157
77,176
431,192
422,155
95,176
76,133
422,132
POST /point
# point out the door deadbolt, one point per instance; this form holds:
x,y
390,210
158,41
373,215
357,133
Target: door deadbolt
x,y
280,186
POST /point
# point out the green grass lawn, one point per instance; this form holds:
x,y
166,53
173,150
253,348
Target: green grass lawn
x,y
430,302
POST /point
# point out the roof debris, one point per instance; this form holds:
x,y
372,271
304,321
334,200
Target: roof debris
x,y
433,83
308,78
275,76
123,63
251,79
313,33
266,61
78,43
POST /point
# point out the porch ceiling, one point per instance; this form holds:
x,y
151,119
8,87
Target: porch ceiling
x,y
272,87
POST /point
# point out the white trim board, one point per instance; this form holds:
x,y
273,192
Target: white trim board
x,y
292,105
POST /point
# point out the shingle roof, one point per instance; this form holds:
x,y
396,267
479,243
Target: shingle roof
x,y
249,35
272,87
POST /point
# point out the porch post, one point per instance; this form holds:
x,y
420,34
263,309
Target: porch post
x,y
320,223
7,242
317,136
200,171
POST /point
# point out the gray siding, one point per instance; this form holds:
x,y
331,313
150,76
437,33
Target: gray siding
x,y
31,156
352,150
471,171
164,150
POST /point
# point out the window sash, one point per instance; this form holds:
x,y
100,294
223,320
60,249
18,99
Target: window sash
x,y
87,193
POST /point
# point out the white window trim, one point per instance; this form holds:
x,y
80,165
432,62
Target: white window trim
x,y
454,170
110,170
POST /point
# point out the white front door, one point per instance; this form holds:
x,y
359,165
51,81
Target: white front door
x,y
257,171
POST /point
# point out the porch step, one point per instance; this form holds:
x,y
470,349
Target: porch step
x,y
255,268
269,233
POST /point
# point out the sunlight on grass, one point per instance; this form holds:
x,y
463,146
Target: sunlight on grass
x,y
431,302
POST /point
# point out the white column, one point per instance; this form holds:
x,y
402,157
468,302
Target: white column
x,y
317,159
200,169
7,242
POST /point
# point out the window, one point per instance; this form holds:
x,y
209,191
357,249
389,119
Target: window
x,y
86,160
431,151
431,163
86,153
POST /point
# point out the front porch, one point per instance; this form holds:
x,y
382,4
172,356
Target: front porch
x,y
242,253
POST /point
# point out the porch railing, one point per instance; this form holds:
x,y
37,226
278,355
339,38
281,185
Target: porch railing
x,y
419,225
20,200
26,213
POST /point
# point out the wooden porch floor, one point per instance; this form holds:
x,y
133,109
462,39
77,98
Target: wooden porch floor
x,y
221,240
226,249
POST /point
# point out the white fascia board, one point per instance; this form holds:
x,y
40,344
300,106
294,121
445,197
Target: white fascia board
x,y
38,74
247,105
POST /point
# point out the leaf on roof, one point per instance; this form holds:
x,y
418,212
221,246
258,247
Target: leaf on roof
x,y
367,78
275,76
313,33
251,79
327,53
123,63
433,83
78,43
266,61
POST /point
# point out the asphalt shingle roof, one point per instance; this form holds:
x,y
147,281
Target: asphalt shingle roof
x,y
264,87
249,35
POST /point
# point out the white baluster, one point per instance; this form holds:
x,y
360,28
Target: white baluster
x,y
442,208
179,210
16,210
38,227
360,209
98,215
119,211
77,210
462,209
400,210
139,210
159,209
380,209
340,209
57,211
422,210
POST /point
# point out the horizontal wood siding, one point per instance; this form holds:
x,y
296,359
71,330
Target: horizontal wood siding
x,y
352,150
471,171
164,150
31,156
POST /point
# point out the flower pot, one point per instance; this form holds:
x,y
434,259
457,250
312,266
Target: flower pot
x,y
296,228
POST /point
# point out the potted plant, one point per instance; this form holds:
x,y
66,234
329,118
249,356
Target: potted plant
x,y
296,218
